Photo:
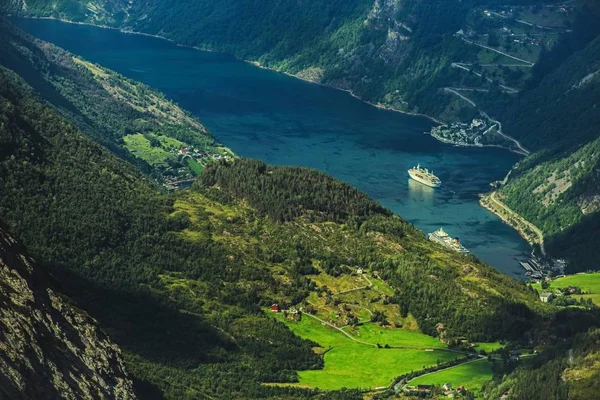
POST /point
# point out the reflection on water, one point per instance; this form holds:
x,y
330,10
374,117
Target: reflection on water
x,y
420,193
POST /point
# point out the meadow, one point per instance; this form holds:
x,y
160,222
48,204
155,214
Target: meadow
x,y
140,146
471,375
488,347
373,333
589,283
353,365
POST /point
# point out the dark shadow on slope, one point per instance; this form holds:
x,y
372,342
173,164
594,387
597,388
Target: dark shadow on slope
x,y
149,326
578,244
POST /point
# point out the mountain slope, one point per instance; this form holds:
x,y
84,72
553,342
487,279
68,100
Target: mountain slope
x,y
134,121
570,370
561,111
50,349
558,188
180,280
104,231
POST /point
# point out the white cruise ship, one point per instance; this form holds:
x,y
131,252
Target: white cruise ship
x,y
440,236
424,176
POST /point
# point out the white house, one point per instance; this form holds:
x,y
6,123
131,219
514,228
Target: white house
x,y
546,297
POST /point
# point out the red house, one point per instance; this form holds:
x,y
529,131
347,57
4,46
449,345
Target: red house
x,y
278,308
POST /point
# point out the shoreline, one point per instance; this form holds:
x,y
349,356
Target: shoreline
x,y
448,141
348,91
504,220
529,232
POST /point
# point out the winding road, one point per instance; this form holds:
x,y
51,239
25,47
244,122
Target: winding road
x,y
516,216
498,51
463,66
521,149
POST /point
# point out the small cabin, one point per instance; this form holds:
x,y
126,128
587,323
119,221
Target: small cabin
x,y
275,308
546,297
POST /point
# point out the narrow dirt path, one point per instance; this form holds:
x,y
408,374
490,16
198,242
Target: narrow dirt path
x,y
341,330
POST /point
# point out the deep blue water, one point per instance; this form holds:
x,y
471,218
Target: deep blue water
x,y
282,120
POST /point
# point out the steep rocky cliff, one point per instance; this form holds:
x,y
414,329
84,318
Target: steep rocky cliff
x,y
48,348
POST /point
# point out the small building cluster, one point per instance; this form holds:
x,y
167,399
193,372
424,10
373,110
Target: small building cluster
x,y
446,389
282,308
539,268
461,133
181,175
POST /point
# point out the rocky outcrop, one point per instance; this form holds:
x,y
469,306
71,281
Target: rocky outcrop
x,y
48,348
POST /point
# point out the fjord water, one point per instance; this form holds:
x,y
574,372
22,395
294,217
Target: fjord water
x,y
282,120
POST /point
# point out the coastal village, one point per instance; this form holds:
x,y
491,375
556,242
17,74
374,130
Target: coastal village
x,y
540,268
508,41
176,164
191,161
464,134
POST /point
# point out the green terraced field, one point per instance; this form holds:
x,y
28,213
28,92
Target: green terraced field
x,y
471,375
353,365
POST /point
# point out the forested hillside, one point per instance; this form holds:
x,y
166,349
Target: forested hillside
x,y
558,188
557,111
132,120
103,230
568,371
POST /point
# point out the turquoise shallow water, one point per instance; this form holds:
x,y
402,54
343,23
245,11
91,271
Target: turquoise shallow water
x,y
282,120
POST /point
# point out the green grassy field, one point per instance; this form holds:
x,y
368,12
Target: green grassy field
x,y
488,347
194,166
381,287
373,333
353,365
471,375
140,146
589,283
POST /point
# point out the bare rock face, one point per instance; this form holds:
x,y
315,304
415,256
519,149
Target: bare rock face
x,y
48,348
